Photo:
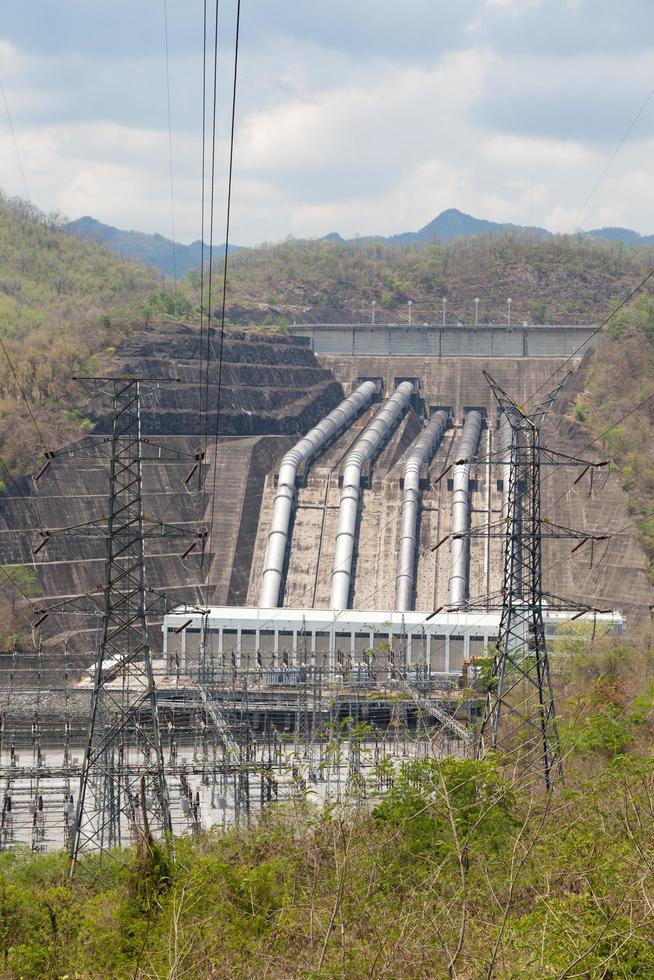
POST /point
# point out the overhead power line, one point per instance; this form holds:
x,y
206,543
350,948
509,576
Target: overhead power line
x,y
24,396
579,213
14,140
202,408
212,184
590,337
170,148
225,261
609,162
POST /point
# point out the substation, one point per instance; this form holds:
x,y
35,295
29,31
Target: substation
x,y
353,576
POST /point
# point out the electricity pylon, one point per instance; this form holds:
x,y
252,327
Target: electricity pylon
x,y
123,784
520,717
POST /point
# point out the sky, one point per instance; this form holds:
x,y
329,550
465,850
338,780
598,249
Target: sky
x,y
362,117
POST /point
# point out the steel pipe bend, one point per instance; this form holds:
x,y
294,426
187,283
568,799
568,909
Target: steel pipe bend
x,y
311,445
421,454
366,450
466,448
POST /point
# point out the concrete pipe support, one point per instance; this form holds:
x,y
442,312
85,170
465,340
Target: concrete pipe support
x,y
367,448
420,455
466,447
314,443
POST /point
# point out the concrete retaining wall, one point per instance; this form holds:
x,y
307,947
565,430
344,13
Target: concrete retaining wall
x,y
435,341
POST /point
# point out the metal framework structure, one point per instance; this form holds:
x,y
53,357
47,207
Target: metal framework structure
x,y
520,717
123,782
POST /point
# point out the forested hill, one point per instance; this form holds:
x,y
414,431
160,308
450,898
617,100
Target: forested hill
x,y
170,258
62,301
176,259
554,280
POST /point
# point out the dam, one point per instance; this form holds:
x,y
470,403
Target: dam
x,y
276,391
363,550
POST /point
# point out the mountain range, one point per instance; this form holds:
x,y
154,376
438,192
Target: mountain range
x,y
453,223
157,250
152,250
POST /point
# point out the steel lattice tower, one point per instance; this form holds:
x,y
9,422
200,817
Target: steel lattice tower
x,y
519,718
123,787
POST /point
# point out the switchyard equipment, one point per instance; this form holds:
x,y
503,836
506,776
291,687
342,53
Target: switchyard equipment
x,y
256,703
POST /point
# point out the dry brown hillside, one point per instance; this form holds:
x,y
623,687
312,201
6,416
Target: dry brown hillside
x,y
557,280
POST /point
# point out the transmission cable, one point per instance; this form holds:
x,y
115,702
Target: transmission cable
x,y
14,140
170,152
24,396
595,332
225,262
34,514
611,159
15,584
201,406
212,181
601,435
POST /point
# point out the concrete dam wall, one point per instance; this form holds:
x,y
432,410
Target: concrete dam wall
x,y
454,340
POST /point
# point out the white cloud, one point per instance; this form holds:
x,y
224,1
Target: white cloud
x,y
529,151
510,103
380,123
107,171
515,7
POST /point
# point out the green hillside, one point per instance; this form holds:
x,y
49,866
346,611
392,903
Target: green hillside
x,y
61,302
620,389
553,280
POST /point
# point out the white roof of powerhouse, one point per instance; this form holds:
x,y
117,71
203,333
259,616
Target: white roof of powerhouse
x,y
326,618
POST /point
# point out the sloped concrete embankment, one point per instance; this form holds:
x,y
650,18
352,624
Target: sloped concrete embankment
x,y
271,389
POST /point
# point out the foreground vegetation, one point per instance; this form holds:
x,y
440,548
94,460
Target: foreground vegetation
x,y
463,869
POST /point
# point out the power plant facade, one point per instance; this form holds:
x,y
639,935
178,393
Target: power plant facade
x,y
379,542
350,648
